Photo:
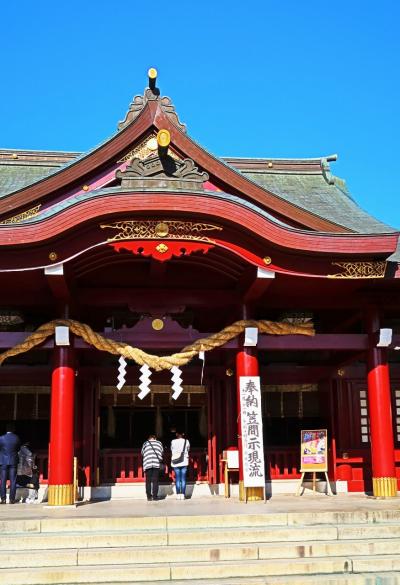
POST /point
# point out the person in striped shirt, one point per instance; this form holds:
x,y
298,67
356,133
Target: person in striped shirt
x,y
152,453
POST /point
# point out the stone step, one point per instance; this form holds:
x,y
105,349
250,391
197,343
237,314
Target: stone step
x,y
368,531
197,536
348,579
277,534
166,572
195,554
155,522
376,563
162,537
300,572
82,540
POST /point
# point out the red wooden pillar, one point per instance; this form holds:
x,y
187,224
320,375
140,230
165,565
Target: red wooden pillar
x,y
61,451
380,416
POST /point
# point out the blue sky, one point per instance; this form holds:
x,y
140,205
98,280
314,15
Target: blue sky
x,y
257,79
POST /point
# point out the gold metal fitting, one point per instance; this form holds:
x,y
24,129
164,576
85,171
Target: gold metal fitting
x,y
229,372
152,143
384,487
15,155
162,229
270,165
61,495
53,256
162,248
157,324
85,188
163,138
267,260
152,73
340,372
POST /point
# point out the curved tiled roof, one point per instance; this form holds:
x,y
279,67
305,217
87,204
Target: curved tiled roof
x,y
20,168
307,183
313,192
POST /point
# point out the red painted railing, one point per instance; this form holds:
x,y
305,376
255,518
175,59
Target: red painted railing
x,y
122,466
283,463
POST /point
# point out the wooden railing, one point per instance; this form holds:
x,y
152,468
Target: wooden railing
x,y
283,463
122,466
125,466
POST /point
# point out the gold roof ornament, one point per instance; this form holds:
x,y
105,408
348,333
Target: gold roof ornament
x,y
163,138
152,93
20,217
156,228
152,73
157,324
163,141
353,270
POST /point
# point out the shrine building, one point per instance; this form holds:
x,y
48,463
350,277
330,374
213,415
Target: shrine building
x,y
139,281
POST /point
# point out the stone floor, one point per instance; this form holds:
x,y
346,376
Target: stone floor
x,y
213,505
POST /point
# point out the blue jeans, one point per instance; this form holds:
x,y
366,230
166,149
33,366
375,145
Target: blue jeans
x,y
180,479
9,471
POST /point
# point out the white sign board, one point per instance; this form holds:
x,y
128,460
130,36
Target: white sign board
x,y
232,459
252,432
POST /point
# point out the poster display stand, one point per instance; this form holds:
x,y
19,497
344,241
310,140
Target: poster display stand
x,y
314,458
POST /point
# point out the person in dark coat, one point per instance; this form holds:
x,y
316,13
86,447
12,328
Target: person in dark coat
x,y
27,474
9,447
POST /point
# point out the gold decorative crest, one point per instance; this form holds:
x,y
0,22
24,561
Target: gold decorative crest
x,y
162,248
147,147
151,229
22,216
360,269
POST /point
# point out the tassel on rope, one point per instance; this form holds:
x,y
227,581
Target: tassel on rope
x,y
121,372
177,382
144,385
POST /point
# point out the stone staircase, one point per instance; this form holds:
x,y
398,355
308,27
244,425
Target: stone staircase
x,y
292,548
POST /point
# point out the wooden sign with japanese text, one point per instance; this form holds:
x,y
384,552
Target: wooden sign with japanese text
x,y
314,450
252,432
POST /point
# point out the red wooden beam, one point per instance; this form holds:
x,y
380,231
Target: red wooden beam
x,y
262,281
57,283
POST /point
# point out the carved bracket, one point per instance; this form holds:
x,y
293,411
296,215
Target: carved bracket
x,y
162,172
160,250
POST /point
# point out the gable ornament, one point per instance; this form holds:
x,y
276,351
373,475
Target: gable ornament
x,y
151,94
162,172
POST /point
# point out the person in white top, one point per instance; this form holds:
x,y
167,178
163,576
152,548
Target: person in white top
x,y
179,462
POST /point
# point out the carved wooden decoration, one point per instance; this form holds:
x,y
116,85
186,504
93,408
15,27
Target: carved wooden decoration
x,y
162,172
160,250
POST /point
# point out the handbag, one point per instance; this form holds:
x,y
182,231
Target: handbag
x,y
163,467
180,457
